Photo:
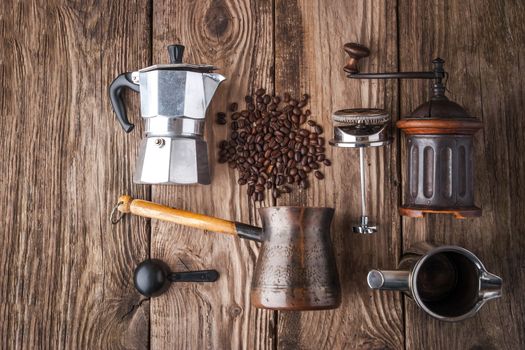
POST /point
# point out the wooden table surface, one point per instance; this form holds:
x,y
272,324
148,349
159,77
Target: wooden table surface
x,y
67,272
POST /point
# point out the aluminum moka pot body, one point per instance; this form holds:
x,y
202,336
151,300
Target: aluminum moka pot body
x,y
173,102
447,282
296,268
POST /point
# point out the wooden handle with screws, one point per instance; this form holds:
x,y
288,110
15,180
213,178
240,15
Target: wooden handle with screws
x,y
187,218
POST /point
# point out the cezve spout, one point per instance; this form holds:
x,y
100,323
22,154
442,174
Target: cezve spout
x,y
211,83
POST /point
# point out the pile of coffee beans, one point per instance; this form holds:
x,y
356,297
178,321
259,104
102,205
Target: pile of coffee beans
x,y
273,144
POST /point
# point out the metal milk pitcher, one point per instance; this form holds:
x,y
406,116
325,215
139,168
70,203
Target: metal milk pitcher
x,y
448,282
173,102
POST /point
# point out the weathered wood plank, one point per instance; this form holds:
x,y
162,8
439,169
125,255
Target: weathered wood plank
x,y
66,270
482,44
309,58
236,36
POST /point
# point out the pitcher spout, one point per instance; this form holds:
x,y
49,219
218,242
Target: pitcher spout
x,y
211,83
490,286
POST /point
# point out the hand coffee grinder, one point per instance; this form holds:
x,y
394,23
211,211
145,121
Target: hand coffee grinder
x,y
440,133
173,102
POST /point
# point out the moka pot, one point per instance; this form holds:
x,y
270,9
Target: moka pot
x,y
173,102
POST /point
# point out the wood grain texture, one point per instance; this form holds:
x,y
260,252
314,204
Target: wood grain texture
x,y
309,41
482,44
66,271
236,36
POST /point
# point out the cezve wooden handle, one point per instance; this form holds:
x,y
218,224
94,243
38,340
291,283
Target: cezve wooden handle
x,y
187,218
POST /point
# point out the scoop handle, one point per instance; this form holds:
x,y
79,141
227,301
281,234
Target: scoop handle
x,y
187,218
194,276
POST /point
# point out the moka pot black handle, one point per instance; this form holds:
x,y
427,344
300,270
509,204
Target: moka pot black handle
x,y
115,94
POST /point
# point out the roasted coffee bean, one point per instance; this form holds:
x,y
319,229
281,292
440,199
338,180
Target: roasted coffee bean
x,y
318,175
302,119
327,162
269,147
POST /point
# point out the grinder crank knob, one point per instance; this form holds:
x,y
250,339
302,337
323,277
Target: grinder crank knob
x,y
356,52
152,277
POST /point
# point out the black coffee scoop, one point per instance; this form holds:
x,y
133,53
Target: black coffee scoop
x,y
152,277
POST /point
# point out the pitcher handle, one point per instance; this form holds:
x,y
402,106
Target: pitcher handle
x,y
388,279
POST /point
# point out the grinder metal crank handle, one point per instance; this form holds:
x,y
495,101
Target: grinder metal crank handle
x,y
115,95
187,218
